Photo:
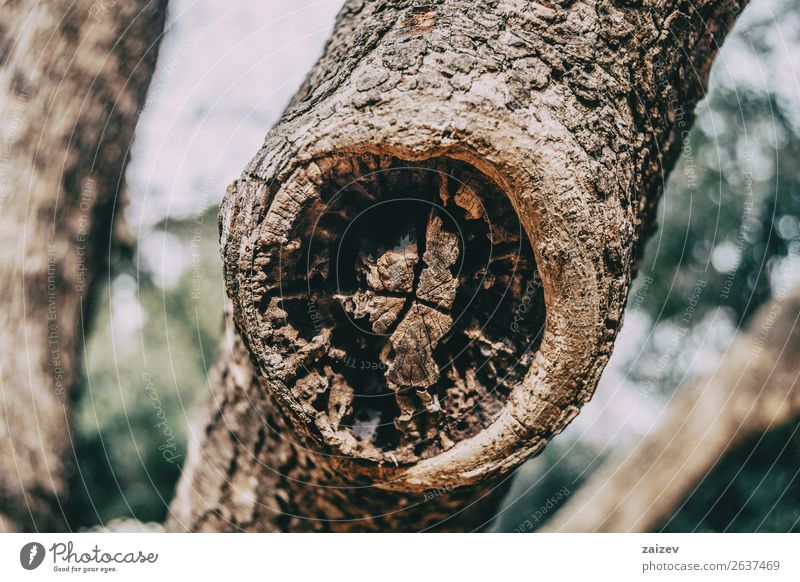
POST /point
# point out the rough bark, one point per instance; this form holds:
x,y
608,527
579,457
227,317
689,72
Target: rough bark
x,y
456,195
73,79
754,389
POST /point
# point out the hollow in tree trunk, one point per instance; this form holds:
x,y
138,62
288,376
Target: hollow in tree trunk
x,y
428,259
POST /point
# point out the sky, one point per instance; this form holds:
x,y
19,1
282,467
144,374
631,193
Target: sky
x,y
226,71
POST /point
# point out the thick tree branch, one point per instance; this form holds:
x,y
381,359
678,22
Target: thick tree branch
x,y
74,76
430,138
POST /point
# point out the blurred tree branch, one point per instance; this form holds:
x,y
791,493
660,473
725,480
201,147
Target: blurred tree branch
x,y
73,81
753,389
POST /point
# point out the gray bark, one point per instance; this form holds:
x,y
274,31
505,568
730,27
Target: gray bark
x,y
74,75
542,132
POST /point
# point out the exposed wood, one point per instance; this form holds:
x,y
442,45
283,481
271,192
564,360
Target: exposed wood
x,y
450,171
73,79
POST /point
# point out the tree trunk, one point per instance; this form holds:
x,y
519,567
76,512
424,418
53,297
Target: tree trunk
x,y
754,388
74,77
428,259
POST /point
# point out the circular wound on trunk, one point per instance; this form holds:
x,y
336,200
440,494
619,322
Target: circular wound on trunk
x,y
401,307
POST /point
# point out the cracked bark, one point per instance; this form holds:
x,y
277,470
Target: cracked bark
x,y
449,172
73,79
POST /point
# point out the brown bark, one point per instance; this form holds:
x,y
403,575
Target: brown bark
x,y
754,388
74,76
456,196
